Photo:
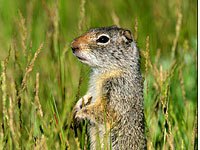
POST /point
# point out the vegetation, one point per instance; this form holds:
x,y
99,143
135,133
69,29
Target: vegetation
x,y
41,80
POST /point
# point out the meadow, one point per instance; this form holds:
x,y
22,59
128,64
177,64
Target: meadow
x,y
41,80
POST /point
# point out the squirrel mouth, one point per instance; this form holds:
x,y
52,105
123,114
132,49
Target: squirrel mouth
x,y
81,58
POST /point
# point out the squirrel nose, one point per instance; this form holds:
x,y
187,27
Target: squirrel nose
x,y
75,46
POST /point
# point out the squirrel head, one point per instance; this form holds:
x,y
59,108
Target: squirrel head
x,y
106,47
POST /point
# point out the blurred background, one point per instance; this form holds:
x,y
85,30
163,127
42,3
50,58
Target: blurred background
x,y
41,80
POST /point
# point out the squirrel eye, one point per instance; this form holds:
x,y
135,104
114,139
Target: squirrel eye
x,y
103,39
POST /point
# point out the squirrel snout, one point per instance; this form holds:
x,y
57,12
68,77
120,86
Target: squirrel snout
x,y
75,46
80,43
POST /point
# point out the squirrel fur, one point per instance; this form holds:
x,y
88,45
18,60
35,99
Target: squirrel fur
x,y
113,104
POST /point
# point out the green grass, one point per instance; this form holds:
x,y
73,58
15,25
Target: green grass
x,y
40,83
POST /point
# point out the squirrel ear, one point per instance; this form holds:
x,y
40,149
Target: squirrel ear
x,y
128,35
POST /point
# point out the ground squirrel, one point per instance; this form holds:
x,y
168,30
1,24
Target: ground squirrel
x,y
113,104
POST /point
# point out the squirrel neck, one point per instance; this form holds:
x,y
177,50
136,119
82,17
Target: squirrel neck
x,y
117,71
104,73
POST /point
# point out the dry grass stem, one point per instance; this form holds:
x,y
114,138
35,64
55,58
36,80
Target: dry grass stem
x,y
195,132
55,24
29,69
157,56
68,145
178,27
4,123
82,15
149,145
147,57
12,125
4,93
40,143
78,144
23,32
115,18
171,70
1,137
37,101
136,29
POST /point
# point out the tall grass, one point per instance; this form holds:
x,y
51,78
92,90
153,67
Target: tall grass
x,y
41,80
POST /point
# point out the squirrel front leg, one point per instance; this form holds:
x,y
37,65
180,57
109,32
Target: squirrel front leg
x,y
96,113
92,113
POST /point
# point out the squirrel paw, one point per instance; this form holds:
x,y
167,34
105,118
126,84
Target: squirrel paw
x,y
77,110
84,101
